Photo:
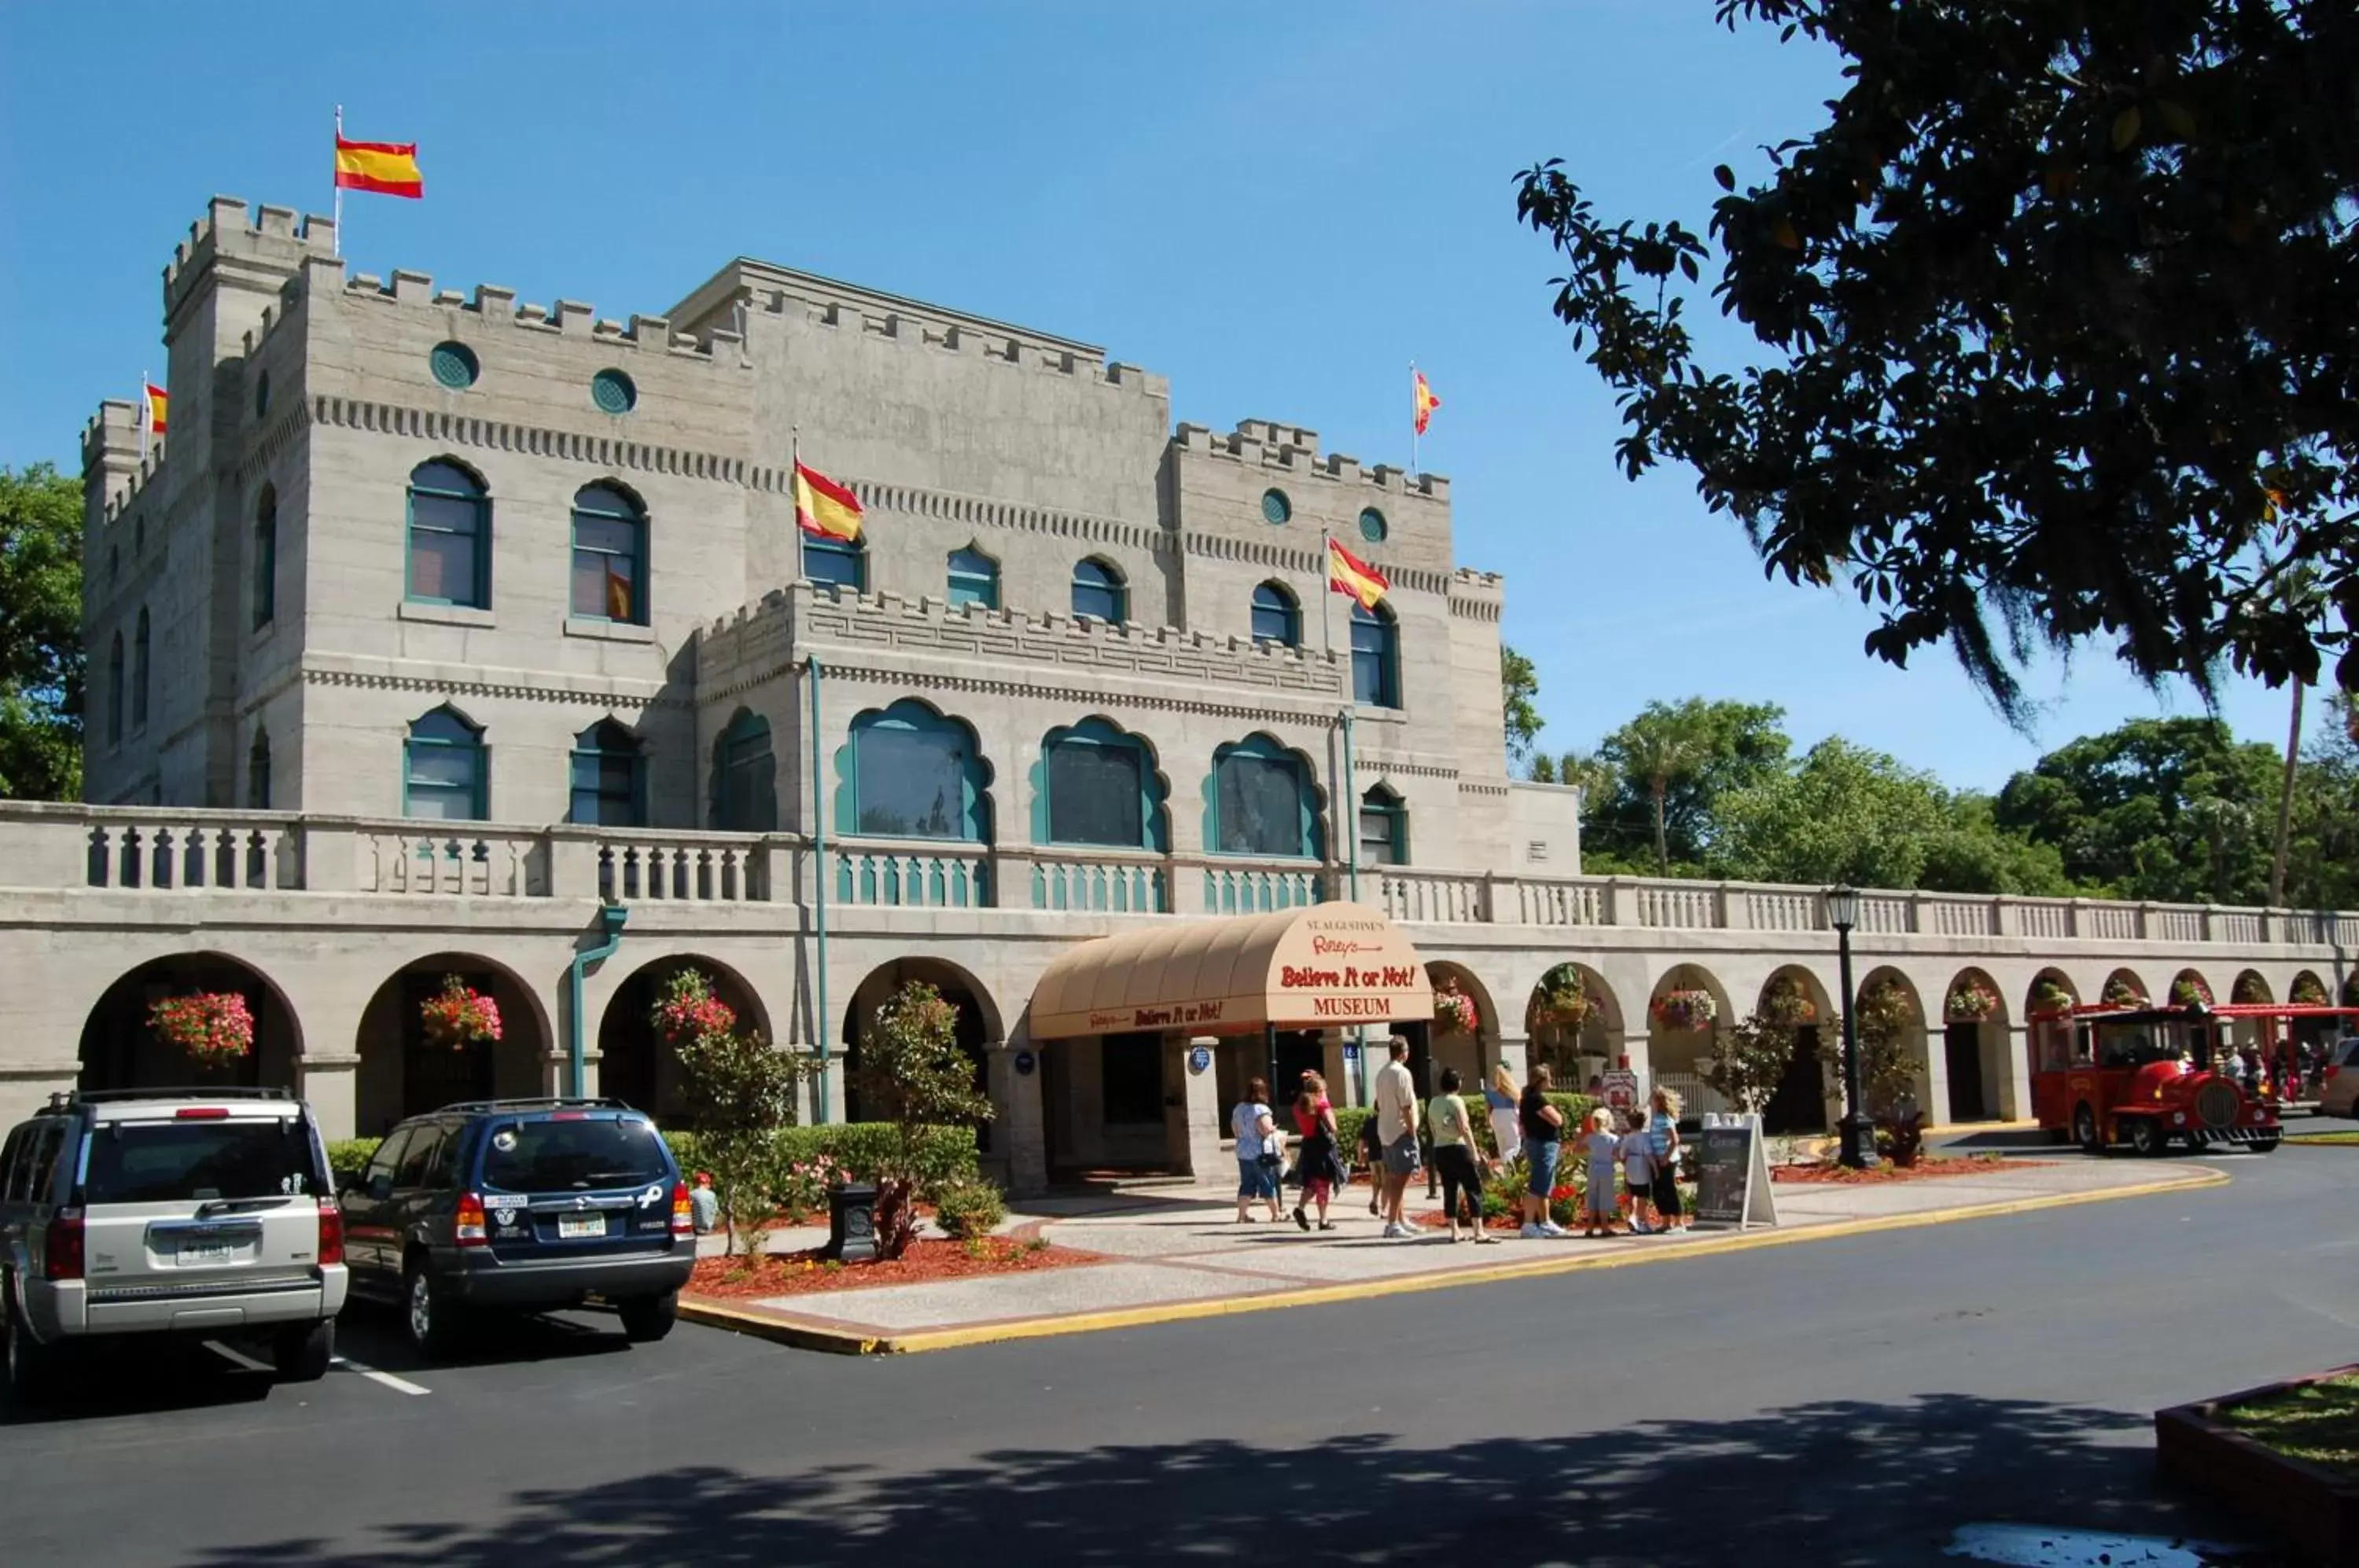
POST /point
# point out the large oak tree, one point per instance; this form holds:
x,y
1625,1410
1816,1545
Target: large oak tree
x,y
2058,307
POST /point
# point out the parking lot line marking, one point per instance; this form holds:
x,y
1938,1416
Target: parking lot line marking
x,y
238,1356
398,1384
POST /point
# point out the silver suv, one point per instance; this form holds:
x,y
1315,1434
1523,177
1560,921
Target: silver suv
x,y
194,1212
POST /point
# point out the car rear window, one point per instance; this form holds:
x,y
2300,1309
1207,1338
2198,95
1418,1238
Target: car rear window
x,y
573,1156
162,1162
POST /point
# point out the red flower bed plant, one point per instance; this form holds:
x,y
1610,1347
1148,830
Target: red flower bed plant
x,y
1886,1172
210,1025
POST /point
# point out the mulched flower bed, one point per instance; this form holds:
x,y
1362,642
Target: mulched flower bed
x,y
801,1273
1886,1172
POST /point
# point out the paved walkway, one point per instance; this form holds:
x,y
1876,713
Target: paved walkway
x,y
1177,1252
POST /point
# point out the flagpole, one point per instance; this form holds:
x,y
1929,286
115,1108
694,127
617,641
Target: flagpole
x,y
1326,591
338,210
1412,419
146,415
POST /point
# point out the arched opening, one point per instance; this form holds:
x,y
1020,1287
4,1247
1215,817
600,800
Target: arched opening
x,y
744,776
1805,1098
1573,1024
2251,988
1685,1013
2307,990
1262,799
2047,1011
2189,988
404,1072
1436,1045
1889,1004
1277,615
610,555
1376,657
636,1063
1100,590
973,578
1973,1045
910,771
450,544
2125,990
978,1024
609,785
125,1045
446,773
1384,827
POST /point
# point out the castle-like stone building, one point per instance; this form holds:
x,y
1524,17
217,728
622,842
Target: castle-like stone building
x,y
439,623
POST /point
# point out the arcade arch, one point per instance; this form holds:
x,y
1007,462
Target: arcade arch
x,y
636,1064
120,1048
403,1074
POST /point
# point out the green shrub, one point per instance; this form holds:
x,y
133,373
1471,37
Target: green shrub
x,y
945,1153
969,1208
351,1153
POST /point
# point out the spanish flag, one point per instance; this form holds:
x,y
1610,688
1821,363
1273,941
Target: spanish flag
x,y
1426,402
1348,574
618,596
159,402
823,507
389,168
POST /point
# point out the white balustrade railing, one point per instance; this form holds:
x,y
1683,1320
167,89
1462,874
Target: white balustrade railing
x,y
1679,906
2174,925
2105,922
702,868
2047,920
1437,898
1789,910
1957,916
1101,884
932,877
1562,903
201,850
1259,890
455,860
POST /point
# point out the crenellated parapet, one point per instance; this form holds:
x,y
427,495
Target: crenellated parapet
x,y
1293,451
268,243
565,318
1477,595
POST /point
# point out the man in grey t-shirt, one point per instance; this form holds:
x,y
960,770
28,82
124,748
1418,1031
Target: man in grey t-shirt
x,y
1396,1097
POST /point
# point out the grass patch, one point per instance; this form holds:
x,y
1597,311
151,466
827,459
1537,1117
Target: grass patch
x,y
2317,1423
2322,1137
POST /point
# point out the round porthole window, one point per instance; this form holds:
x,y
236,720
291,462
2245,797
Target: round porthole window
x,y
261,394
1372,525
613,392
454,366
1275,507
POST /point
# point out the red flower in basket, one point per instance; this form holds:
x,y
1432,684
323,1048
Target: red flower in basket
x,y
1453,1011
459,1017
212,1026
690,1011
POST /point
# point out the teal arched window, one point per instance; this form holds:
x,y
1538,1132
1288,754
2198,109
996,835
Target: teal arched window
x,y
833,563
745,777
1099,591
1262,800
265,559
1384,828
449,537
1097,784
609,777
139,667
257,772
446,772
115,691
910,772
973,578
1276,618
610,556
1376,657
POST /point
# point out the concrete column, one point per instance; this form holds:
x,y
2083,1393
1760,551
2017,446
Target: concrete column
x,y
329,1085
1018,1132
1635,1048
1196,1138
1933,1081
1515,1053
2015,1083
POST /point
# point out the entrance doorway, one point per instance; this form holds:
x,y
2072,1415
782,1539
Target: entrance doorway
x,y
1962,1045
1799,1103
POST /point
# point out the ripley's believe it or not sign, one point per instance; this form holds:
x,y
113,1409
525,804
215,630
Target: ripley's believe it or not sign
x,y
1327,965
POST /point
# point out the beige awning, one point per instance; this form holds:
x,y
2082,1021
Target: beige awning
x,y
1326,965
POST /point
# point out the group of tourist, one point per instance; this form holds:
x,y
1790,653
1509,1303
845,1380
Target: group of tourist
x,y
1398,1140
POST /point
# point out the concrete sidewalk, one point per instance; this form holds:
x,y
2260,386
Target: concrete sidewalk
x,y
1177,1252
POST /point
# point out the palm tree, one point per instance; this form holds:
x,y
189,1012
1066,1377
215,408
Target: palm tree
x,y
1659,748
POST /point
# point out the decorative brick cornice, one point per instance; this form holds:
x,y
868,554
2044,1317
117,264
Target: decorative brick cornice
x,y
1093,699
511,691
446,428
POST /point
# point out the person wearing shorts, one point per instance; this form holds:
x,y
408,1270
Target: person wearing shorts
x,y
1259,1151
1542,1126
1453,1154
1396,1096
1663,1132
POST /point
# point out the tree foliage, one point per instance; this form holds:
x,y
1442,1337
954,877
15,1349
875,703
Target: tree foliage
x,y
913,1074
41,666
1519,690
2056,307
1667,768
741,1090
1749,1059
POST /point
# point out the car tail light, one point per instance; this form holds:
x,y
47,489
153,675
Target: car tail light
x,y
469,1227
202,1114
683,1218
62,1257
331,1233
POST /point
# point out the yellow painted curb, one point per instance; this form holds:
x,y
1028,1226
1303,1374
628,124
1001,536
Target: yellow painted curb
x,y
839,1341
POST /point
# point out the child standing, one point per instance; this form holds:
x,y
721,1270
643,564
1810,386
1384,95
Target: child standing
x,y
1638,1171
1602,1147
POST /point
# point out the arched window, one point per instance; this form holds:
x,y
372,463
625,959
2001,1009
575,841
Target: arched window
x,y
446,774
1097,784
1098,591
609,781
264,564
139,671
908,772
257,772
610,556
1376,657
1262,800
449,537
1383,829
115,691
836,563
1276,616
745,777
975,579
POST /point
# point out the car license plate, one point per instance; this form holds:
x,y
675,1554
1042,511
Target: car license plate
x,y
573,1227
197,1255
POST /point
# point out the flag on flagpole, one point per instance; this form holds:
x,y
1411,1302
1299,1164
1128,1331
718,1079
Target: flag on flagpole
x,y
389,168
823,507
1349,575
1425,401
156,404
618,595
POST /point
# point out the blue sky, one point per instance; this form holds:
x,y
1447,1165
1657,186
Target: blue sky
x,y
1278,207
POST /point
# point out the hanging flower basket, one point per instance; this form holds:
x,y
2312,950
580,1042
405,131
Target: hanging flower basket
x,y
1970,1003
458,1016
2249,989
1453,1011
2051,1000
2120,993
1884,1010
1685,1009
2309,991
2190,991
1789,1006
688,1010
1563,997
210,1025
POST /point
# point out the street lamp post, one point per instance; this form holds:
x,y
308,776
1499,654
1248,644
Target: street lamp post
x,y
1857,1134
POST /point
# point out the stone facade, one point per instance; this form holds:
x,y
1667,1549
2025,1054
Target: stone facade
x,y
253,766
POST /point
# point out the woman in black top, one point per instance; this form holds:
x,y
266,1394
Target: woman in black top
x,y
1542,1126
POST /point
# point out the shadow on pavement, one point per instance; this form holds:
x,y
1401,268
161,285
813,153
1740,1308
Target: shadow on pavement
x,y
372,1333
134,1379
1825,1483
